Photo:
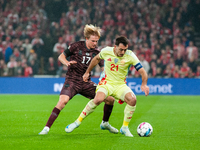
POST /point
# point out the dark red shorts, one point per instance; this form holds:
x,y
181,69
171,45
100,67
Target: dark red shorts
x,y
72,87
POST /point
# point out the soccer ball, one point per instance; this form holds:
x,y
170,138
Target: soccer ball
x,y
144,129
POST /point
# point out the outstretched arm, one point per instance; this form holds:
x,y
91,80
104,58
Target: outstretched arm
x,y
64,61
93,63
144,86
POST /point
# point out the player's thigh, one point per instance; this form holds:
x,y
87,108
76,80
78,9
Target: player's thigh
x,y
69,89
88,89
121,91
107,89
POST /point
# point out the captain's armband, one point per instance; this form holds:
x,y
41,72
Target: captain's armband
x,y
138,66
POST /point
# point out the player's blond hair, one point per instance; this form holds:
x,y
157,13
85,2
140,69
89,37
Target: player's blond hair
x,y
91,30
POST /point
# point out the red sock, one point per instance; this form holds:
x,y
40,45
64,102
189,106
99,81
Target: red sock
x,y
53,116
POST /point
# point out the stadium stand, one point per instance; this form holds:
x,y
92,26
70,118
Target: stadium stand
x,y
34,33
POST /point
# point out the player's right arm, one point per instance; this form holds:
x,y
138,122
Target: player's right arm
x,y
63,58
93,63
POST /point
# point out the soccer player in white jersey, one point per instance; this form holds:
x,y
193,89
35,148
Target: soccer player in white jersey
x,y
117,61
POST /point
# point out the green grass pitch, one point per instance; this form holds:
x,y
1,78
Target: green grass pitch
x,y
175,121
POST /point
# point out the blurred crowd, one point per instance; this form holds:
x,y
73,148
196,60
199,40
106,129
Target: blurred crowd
x,y
161,34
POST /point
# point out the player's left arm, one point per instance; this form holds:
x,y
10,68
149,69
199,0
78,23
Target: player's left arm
x,y
144,86
142,72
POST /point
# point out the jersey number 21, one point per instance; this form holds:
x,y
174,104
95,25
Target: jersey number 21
x,y
114,67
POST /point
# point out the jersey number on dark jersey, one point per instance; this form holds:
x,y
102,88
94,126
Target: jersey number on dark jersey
x,y
86,59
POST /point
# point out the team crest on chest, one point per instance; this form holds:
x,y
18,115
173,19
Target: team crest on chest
x,y
115,60
93,55
123,62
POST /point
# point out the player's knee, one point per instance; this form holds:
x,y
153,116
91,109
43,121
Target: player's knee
x,y
110,100
63,100
131,99
98,100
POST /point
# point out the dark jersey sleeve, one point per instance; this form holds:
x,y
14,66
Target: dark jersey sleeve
x,y
67,52
101,63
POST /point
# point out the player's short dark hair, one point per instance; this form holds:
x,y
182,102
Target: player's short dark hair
x,y
121,39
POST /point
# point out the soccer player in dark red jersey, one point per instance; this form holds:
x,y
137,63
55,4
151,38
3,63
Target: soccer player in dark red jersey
x,y
81,53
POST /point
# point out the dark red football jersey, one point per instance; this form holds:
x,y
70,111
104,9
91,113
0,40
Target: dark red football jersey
x,y
83,56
